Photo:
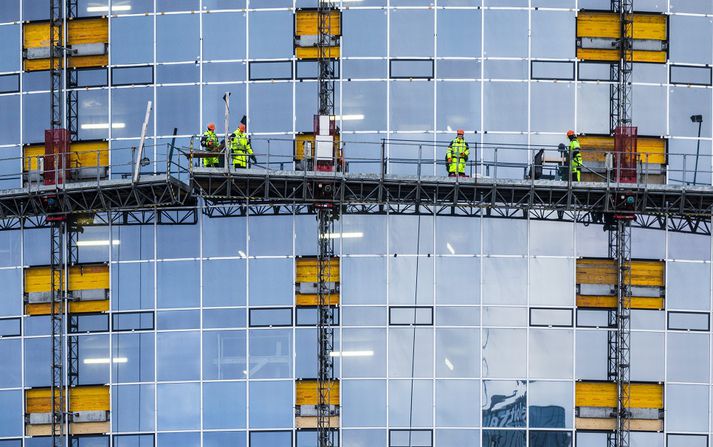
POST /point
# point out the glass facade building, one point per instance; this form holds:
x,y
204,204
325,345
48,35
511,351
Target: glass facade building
x,y
202,343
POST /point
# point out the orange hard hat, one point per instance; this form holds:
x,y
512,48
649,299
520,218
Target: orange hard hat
x,y
211,126
460,132
570,133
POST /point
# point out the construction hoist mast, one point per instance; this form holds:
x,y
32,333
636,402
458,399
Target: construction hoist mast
x,y
619,334
62,248
327,213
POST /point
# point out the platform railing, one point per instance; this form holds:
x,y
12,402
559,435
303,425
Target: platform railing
x,y
490,160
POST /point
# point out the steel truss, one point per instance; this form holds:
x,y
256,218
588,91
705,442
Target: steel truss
x,y
58,282
662,206
619,335
106,195
325,432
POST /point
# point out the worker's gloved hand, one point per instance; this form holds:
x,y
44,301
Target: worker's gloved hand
x,y
561,146
450,160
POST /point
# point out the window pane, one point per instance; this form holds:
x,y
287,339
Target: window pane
x,y
224,405
177,409
178,355
224,355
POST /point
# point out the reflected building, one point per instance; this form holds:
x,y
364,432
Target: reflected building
x,y
199,340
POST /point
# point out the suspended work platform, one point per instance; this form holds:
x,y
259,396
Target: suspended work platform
x,y
149,191
677,207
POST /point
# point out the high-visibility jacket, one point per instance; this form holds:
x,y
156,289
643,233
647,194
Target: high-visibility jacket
x,y
457,155
209,140
575,160
240,146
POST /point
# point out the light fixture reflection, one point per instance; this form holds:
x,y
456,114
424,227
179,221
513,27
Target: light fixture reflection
x,y
242,254
449,364
105,8
351,354
345,235
353,117
99,126
450,248
98,243
104,360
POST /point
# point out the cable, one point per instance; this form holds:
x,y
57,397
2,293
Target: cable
x,y
413,342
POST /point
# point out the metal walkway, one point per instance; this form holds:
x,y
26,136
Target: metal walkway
x,y
150,191
672,206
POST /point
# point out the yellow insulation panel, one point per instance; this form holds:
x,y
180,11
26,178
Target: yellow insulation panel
x,y
609,302
307,392
603,271
649,149
603,394
610,424
84,154
93,30
594,54
74,62
81,31
81,277
606,25
81,398
313,300
303,137
307,22
312,53
307,270
75,307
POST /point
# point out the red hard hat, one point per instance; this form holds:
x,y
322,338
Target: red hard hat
x,y
570,133
460,132
211,126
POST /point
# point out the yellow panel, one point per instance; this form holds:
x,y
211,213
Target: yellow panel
x,y
598,24
650,149
307,23
609,302
30,155
592,54
311,422
300,138
606,25
36,35
81,398
37,400
603,271
81,277
78,307
88,61
74,62
83,31
313,300
312,53
87,153
308,270
603,394
610,424
650,27
89,398
307,392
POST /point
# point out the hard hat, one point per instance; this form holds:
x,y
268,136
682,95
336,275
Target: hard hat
x,y
211,126
460,132
570,133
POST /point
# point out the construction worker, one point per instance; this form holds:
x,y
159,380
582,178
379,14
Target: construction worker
x,y
240,147
457,155
209,141
575,156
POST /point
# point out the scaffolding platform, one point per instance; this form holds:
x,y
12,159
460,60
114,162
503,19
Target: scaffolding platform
x,y
150,191
369,193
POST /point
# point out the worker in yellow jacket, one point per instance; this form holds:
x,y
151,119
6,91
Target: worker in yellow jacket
x,y
457,155
241,148
575,156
